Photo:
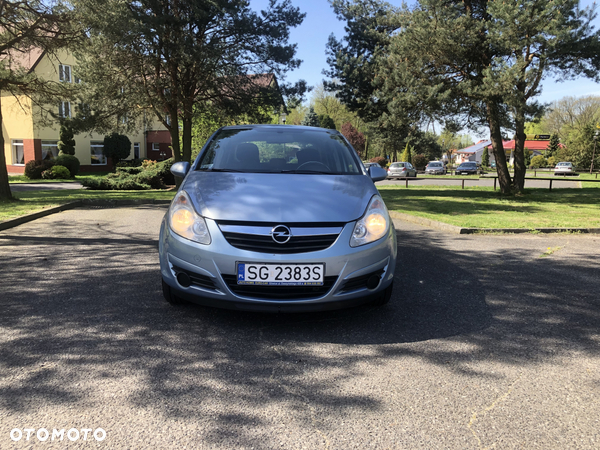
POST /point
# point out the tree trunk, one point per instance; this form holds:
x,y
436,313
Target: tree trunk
x,y
187,135
519,155
498,148
5,193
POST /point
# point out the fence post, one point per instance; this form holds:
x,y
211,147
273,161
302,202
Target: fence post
x,y
463,183
550,184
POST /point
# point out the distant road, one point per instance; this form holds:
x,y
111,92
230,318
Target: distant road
x,y
23,187
481,182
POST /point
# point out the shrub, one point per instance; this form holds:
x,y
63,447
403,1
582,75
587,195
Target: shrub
x,y
137,162
55,172
538,161
66,144
151,175
552,161
116,146
70,162
420,161
34,168
379,160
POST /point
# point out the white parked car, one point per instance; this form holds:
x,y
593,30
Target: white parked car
x,y
565,168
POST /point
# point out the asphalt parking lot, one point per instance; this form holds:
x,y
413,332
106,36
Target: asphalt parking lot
x,y
487,343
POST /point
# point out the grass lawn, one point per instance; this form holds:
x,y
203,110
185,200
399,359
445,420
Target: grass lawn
x,y
482,207
33,201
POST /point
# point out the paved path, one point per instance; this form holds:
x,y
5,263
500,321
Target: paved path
x,y
485,344
543,184
23,187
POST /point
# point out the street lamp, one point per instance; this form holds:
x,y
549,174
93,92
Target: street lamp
x,y
594,154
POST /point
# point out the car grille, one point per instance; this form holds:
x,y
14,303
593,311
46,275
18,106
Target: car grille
x,y
257,237
198,280
279,292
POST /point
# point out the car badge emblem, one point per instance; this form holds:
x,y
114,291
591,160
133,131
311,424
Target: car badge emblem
x,y
281,234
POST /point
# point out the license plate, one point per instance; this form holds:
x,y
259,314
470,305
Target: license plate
x,y
280,274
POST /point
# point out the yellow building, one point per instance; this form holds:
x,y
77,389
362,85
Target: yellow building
x,y
27,138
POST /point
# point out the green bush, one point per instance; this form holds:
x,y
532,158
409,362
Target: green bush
x,y
552,160
151,175
34,168
420,161
538,161
56,172
137,162
70,162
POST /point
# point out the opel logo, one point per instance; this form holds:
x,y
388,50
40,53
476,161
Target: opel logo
x,y
281,234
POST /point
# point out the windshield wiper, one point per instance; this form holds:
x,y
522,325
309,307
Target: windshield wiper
x,y
303,171
220,170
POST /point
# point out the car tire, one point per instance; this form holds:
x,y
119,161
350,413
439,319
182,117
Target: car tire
x,y
415,174
384,297
169,296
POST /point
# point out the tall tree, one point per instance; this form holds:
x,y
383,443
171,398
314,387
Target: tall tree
x,y
176,57
486,60
355,137
311,119
553,146
27,28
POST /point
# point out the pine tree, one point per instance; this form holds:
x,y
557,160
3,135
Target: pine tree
x,y
526,157
66,144
311,119
553,146
485,157
406,154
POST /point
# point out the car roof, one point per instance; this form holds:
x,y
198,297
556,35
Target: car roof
x,y
280,128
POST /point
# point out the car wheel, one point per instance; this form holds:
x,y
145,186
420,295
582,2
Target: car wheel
x,y
384,297
415,174
169,296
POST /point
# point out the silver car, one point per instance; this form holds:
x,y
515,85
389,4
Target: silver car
x,y
565,168
435,168
277,218
401,170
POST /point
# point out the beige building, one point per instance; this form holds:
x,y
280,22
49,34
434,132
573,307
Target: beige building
x,y
27,137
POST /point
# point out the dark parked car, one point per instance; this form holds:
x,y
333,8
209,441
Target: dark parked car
x,y
277,218
468,168
401,170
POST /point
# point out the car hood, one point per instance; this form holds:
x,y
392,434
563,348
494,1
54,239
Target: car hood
x,y
285,198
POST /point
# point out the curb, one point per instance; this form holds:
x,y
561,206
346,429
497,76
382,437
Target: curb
x,y
454,229
76,204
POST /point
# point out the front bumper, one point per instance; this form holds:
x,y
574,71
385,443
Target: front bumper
x,y
212,267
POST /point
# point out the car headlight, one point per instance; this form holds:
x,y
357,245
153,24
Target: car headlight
x,y
185,222
373,225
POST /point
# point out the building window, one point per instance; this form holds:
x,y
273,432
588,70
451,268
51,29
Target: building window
x,y
98,157
136,150
123,119
64,73
64,109
168,119
18,152
49,149
155,146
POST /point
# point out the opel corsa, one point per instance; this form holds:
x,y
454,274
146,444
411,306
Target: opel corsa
x,y
277,218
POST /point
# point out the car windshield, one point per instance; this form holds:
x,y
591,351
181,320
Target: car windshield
x,y
397,165
435,164
564,164
268,150
468,165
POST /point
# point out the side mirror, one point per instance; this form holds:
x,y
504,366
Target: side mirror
x,y
377,173
180,169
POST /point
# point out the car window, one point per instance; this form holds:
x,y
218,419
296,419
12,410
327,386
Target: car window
x,y
269,151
